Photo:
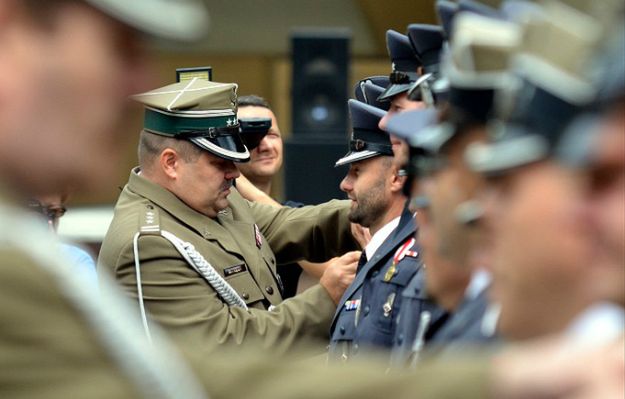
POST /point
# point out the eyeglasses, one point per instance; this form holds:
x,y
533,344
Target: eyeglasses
x,y
50,212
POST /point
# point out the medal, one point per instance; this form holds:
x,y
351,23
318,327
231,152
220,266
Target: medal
x,y
401,252
258,236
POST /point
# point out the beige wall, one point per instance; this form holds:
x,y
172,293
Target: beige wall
x,y
249,44
269,77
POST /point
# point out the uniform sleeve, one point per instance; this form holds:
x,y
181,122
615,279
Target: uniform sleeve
x,y
279,378
314,233
47,349
185,304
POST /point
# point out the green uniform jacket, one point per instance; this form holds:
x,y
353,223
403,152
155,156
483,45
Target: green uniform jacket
x,y
177,297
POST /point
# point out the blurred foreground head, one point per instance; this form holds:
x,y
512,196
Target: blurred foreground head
x,y
541,244
66,71
596,144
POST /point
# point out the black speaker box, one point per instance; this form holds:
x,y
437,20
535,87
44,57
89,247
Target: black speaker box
x,y
309,174
319,82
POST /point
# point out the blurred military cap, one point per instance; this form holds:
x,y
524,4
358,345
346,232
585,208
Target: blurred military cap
x,y
427,43
368,92
171,19
378,80
478,63
198,110
367,140
479,8
607,71
408,124
608,67
369,89
446,10
553,90
404,63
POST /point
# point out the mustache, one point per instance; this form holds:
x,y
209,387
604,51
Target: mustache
x,y
226,184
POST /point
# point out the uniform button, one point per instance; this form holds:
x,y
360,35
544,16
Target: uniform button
x,y
355,348
375,273
366,310
400,339
245,296
269,289
342,330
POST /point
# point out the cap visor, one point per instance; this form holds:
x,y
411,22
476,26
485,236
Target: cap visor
x,y
179,20
227,146
252,140
432,139
394,90
502,156
355,156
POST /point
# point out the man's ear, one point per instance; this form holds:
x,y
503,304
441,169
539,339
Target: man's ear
x,y
169,162
397,181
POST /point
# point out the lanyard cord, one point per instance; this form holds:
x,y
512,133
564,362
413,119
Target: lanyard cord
x,y
198,263
206,270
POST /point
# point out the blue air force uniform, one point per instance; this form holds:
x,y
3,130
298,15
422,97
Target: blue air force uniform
x,y
367,314
417,318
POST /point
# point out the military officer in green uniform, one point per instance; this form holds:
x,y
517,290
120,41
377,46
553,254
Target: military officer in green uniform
x,y
199,258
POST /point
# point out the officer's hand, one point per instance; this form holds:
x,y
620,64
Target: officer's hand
x,y
251,193
556,368
339,274
361,234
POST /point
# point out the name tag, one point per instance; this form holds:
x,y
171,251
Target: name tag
x,y
236,269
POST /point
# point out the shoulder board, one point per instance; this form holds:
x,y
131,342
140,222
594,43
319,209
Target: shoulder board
x,y
149,222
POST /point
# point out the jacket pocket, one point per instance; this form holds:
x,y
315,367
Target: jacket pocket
x,y
243,283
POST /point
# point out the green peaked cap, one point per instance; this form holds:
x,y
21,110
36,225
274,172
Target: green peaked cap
x,y
198,110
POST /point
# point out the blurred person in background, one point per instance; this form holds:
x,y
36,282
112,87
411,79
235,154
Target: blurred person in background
x,y
67,69
541,246
475,68
264,165
52,208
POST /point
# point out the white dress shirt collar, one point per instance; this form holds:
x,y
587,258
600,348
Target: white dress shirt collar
x,y
380,236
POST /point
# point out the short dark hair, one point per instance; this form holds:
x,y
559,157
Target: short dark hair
x,y
253,101
151,145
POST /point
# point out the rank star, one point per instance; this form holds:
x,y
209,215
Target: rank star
x,y
231,122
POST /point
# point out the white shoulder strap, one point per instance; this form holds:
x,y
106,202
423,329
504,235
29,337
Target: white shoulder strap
x,y
197,262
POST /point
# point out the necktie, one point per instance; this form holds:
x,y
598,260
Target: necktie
x,y
361,261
